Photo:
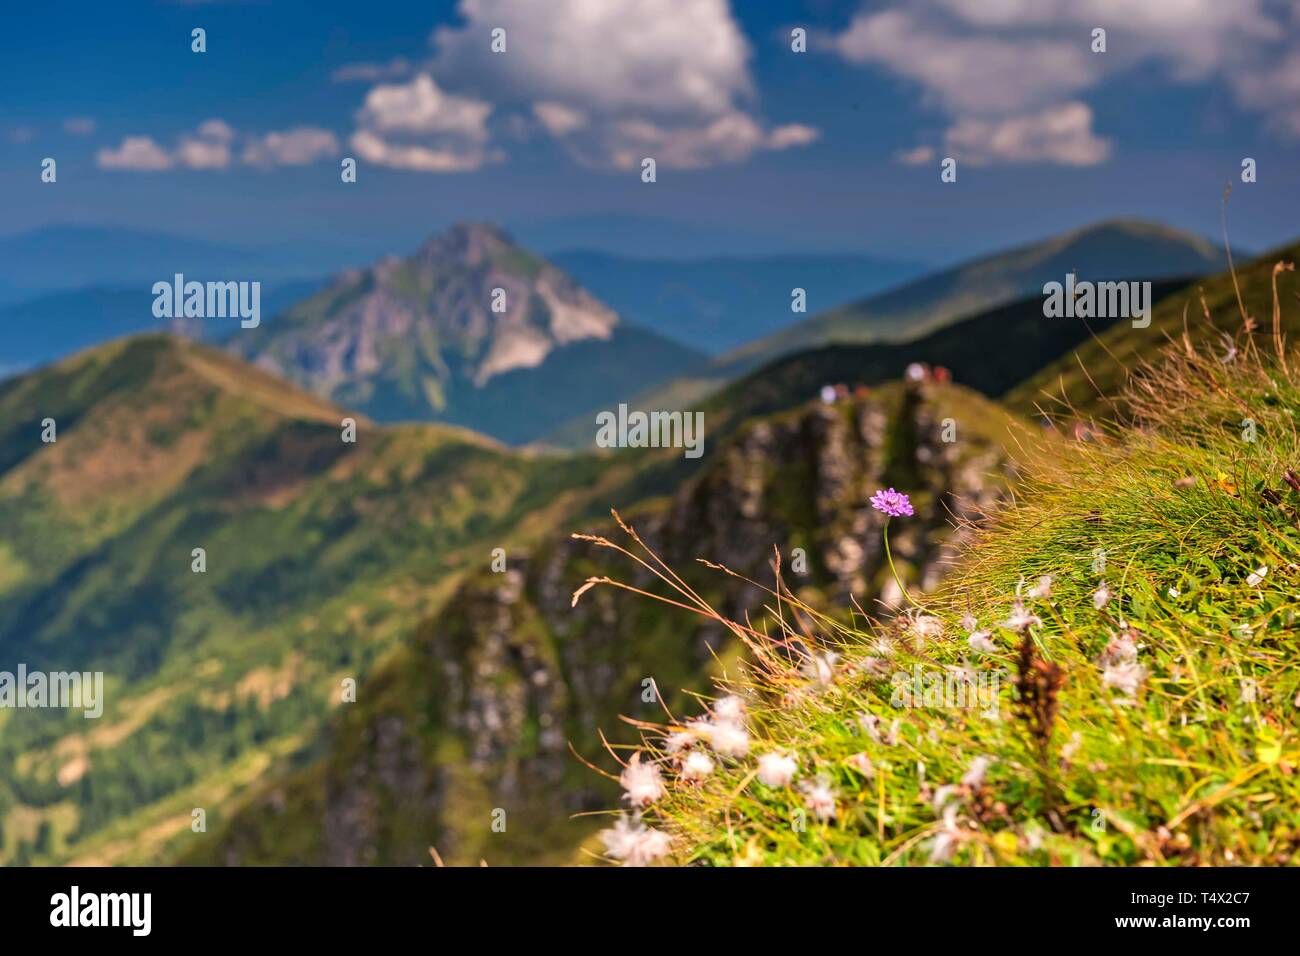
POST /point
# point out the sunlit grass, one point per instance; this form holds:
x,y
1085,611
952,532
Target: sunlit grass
x,y
1172,737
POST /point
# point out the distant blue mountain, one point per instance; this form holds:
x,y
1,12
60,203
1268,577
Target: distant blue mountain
x,y
720,303
70,257
40,330
62,258
652,237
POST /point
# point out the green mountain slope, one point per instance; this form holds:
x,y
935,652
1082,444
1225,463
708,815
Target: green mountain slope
x,y
721,303
475,716
1109,250
991,352
471,330
1109,358
320,556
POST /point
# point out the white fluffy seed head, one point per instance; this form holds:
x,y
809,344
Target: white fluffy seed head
x,y
729,738
696,766
974,776
642,782
820,800
729,708
776,770
1101,597
634,844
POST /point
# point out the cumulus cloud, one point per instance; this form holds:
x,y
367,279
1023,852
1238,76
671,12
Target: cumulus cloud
x,y
1058,134
418,126
207,148
967,72
423,159
1274,90
421,107
212,146
1011,75
139,153
300,146
791,134
918,156
660,57
730,138
558,119
613,81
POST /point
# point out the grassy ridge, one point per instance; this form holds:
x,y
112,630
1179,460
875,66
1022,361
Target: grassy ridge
x,y
1145,695
478,711
320,556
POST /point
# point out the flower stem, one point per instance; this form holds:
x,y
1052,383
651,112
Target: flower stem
x,y
890,558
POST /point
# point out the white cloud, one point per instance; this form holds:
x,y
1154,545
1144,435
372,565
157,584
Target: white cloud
x,y
79,125
792,134
610,78
1274,90
423,159
964,71
213,146
299,146
918,156
421,107
728,139
661,57
558,119
216,131
208,148
138,153
1011,74
1058,134
1193,37
194,153
418,126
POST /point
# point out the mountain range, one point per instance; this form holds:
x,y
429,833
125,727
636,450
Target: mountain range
x,y
316,554
428,569
472,330
55,324
54,259
419,338
476,714
1112,250
717,303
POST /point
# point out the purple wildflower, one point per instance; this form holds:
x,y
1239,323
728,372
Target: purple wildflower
x,y
892,503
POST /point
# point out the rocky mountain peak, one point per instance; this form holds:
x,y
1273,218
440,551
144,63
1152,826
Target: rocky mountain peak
x,y
421,337
469,244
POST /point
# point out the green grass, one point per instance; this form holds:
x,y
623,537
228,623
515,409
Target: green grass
x,y
321,556
1199,766
553,677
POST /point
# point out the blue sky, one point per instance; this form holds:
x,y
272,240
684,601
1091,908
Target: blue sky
x,y
835,148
